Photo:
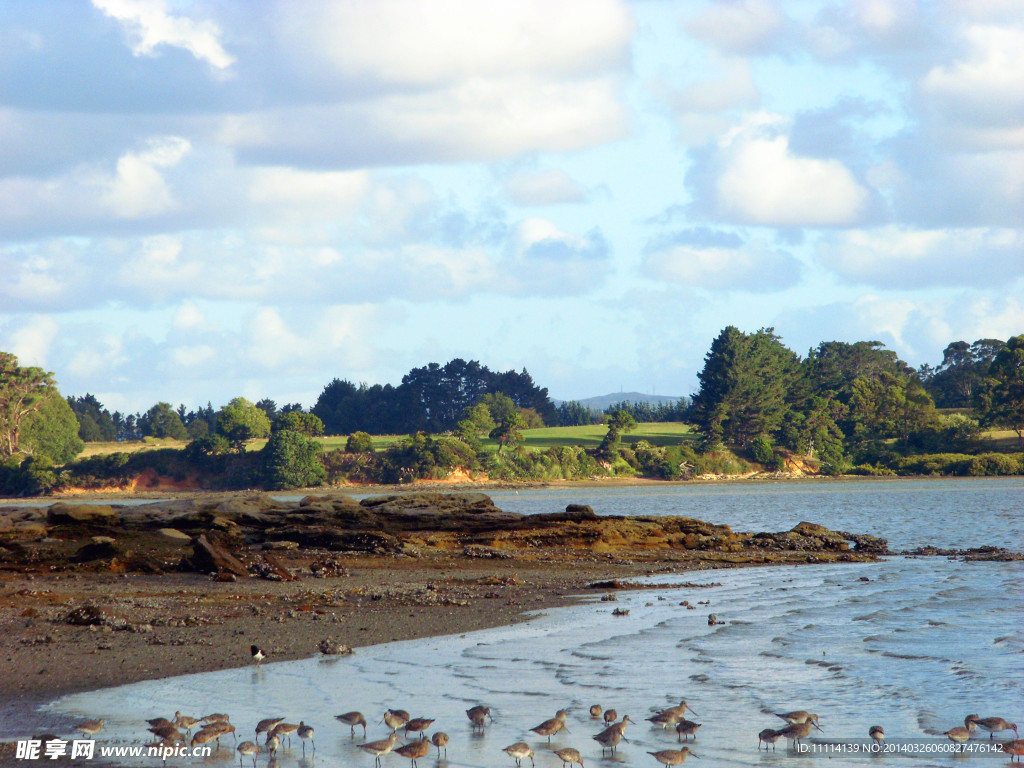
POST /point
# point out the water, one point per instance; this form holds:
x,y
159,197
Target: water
x,y
914,648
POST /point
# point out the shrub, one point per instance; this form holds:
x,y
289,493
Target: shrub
x,y
359,442
761,449
291,460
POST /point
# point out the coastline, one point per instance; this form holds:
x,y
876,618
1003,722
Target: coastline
x,y
188,623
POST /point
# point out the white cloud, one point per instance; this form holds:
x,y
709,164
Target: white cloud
x,y
896,257
739,26
449,41
762,182
985,87
138,188
545,188
31,339
711,260
188,317
149,26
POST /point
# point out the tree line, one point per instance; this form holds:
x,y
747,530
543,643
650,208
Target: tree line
x,y
849,403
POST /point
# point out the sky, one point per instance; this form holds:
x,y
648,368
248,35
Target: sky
x,y
201,200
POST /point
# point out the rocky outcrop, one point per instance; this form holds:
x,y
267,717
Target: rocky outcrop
x,y
227,535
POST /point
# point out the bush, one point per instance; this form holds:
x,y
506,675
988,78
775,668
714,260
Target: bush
x,y
359,442
761,449
291,460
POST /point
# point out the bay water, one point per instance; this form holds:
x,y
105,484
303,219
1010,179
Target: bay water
x,y
911,644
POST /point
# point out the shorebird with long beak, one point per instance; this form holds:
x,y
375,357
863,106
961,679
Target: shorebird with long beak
x,y
250,749
414,750
91,727
353,719
549,728
267,725
440,740
478,716
995,725
596,710
305,732
962,733
382,747
610,737
687,728
394,719
418,725
569,756
1015,749
797,731
877,734
519,751
768,736
257,653
671,757
798,717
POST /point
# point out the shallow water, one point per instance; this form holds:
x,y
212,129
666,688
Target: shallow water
x,y
914,648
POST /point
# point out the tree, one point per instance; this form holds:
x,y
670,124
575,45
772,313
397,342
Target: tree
x,y
509,432
307,423
954,383
745,386
162,421
22,391
1001,402
52,430
291,460
889,406
359,442
476,421
618,422
95,423
240,420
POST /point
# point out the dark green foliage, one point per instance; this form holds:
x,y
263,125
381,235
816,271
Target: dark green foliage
x,y
240,421
745,387
761,449
162,421
558,463
306,423
51,430
1001,399
95,422
509,430
22,392
432,398
573,413
645,412
956,381
359,442
618,422
291,460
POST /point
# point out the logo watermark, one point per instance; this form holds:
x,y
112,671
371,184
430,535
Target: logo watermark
x,y
870,747
51,749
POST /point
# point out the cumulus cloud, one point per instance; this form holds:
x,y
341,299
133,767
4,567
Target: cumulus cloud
x,y
712,260
138,188
897,257
752,177
149,26
916,328
30,339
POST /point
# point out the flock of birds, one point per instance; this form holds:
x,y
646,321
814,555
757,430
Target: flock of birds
x,y
173,732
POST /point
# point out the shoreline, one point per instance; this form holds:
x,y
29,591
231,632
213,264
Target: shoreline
x,y
47,659
469,486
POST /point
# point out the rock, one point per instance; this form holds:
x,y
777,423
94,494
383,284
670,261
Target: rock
x,y
103,550
78,514
208,557
283,544
174,533
87,615
103,539
329,647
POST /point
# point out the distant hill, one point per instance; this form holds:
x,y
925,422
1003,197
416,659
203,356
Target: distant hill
x,y
601,402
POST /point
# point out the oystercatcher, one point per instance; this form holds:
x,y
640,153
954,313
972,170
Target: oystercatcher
x,y
257,654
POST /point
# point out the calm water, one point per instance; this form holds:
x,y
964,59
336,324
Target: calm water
x,y
915,648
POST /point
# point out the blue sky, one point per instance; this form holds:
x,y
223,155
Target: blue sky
x,y
200,200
